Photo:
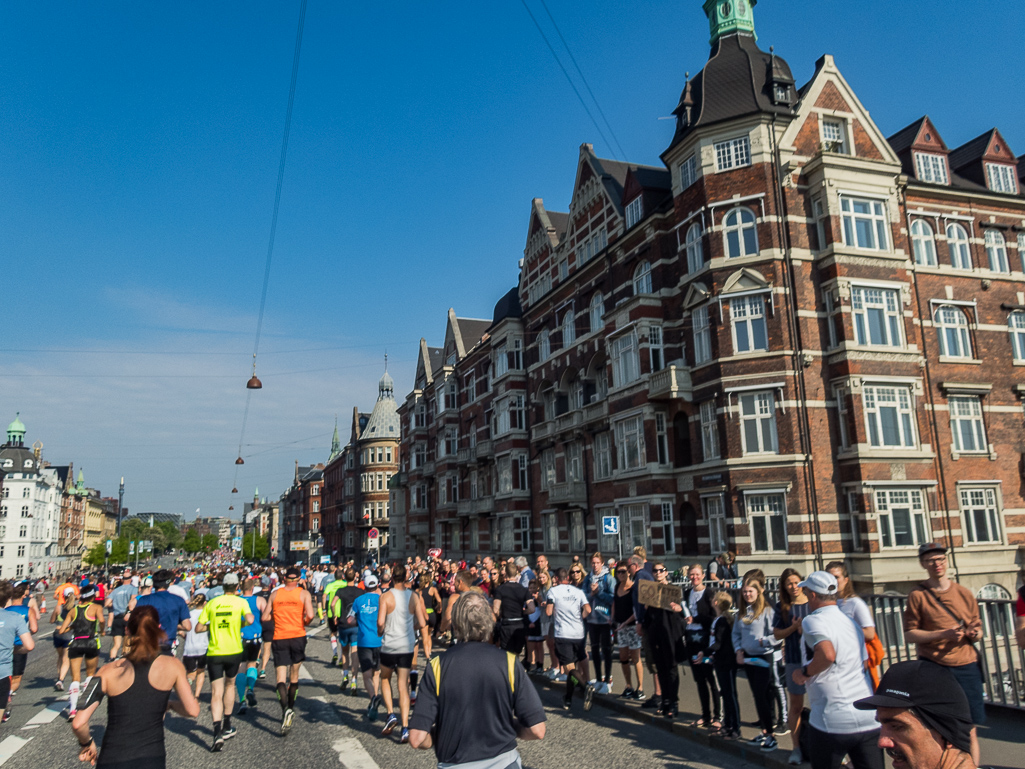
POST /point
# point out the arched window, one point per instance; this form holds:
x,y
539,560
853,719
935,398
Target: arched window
x,y
957,246
952,327
597,312
544,346
642,278
996,250
923,243
569,329
1016,325
741,233
695,253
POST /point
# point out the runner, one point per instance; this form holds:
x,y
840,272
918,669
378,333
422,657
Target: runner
x,y
568,606
24,604
61,640
173,611
118,601
84,621
252,639
348,637
291,610
363,615
336,584
223,618
196,643
400,615
14,629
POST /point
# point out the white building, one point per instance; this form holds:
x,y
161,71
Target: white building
x,y
29,509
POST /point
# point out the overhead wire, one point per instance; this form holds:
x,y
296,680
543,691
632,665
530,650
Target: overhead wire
x,y
569,79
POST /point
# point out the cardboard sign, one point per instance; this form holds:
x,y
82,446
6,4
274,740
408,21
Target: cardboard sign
x,y
657,595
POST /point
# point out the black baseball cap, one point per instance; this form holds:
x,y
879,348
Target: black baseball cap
x,y
930,547
933,692
292,573
163,577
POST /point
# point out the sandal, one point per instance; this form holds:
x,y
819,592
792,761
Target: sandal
x,y
699,724
716,725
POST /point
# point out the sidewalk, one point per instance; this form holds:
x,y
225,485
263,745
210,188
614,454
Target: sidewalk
x,y
1000,739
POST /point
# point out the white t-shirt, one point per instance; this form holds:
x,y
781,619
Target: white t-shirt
x,y
569,602
195,643
857,610
832,693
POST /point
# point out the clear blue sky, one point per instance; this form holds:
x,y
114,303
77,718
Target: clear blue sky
x,y
139,147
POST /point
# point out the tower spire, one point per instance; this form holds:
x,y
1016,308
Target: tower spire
x,y
336,443
729,17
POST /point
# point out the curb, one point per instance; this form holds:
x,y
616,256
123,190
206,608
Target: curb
x,y
775,760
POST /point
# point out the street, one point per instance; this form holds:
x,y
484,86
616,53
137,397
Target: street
x,y
331,728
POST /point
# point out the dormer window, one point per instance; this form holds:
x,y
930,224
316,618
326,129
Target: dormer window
x,y
931,168
782,93
834,137
1001,178
634,211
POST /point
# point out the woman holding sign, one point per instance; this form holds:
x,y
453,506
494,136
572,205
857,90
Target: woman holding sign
x,y
664,621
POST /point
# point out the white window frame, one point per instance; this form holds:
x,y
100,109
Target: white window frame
x,y
834,136
953,331
740,233
709,420
909,502
642,278
901,400
958,247
732,153
1016,327
967,426
602,456
569,328
996,251
767,515
748,314
695,249
688,172
506,534
877,235
668,528
757,412
551,532
544,345
523,471
923,243
1002,178
702,330
626,366
713,509
887,303
630,452
656,348
596,311
634,211
931,168
661,439
577,533
980,509
636,526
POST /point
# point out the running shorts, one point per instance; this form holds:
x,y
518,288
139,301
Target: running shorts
x,y
348,636
90,653
288,651
627,638
395,661
5,689
193,663
512,637
251,650
18,663
117,627
369,659
225,666
570,650
59,642
268,631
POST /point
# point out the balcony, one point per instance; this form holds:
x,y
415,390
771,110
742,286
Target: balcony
x,y
464,456
596,412
464,507
569,421
429,468
568,493
483,504
484,449
543,430
671,383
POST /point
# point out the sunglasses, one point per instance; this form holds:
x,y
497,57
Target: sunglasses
x,y
659,571
576,571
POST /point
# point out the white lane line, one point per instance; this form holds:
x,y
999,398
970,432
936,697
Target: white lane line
x,y
316,630
352,754
44,716
305,677
10,746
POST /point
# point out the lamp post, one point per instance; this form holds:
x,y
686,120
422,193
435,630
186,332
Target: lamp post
x,y
120,504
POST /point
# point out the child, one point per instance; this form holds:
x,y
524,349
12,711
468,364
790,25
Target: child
x,y
535,639
724,661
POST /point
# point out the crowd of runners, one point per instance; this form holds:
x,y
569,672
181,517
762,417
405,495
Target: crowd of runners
x,y
174,630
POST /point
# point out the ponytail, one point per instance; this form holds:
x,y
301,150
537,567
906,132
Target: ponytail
x,y
145,635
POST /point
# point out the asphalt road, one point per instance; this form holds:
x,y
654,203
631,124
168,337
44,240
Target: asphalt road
x,y
331,730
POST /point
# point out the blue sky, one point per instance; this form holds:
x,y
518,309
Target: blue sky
x,y
139,147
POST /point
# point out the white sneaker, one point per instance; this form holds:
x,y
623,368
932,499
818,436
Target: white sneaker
x,y
560,678
551,673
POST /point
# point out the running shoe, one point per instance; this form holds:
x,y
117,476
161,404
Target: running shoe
x,y
59,686
243,708
334,659
627,693
7,715
404,738
560,678
758,739
637,696
218,743
352,686
286,721
262,674
251,698
588,696
72,712
230,732
796,757
567,703
651,703
769,744
412,698
389,725
375,703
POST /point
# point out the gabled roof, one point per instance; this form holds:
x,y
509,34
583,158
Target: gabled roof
x,y
971,151
560,221
428,361
464,333
905,137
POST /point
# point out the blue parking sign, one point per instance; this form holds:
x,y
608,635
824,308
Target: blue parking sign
x,y
610,524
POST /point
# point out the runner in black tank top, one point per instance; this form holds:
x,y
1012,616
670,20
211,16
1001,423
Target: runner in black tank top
x,y
135,725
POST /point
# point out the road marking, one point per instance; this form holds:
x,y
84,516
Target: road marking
x,y
13,744
304,676
316,630
44,716
352,754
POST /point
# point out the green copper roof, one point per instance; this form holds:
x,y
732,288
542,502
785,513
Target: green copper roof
x,y
727,17
17,426
80,486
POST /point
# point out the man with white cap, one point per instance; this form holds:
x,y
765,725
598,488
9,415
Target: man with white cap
x,y
925,717
833,649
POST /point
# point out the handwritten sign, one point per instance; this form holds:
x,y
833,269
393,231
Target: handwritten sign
x,y
657,595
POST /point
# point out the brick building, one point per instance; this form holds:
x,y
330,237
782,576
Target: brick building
x,y
796,340
301,513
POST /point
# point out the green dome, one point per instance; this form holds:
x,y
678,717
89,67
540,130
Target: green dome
x,y
17,426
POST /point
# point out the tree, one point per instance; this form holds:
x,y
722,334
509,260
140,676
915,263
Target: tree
x,y
262,547
172,534
119,550
210,543
192,542
156,535
97,554
133,529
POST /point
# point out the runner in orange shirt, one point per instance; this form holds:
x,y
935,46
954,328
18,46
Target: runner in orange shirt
x,y
291,610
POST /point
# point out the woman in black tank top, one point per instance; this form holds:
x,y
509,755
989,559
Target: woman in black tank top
x,y
138,689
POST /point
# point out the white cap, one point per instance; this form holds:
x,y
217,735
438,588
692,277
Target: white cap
x,y
821,582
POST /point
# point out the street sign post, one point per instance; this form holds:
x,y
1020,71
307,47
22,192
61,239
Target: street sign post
x,y
374,541
610,527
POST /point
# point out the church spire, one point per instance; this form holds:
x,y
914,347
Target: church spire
x,y
729,17
336,443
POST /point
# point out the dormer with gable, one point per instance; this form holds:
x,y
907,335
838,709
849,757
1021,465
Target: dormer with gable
x,y
646,190
595,211
545,231
988,162
923,154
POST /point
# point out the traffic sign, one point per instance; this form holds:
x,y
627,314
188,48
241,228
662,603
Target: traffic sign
x,y
109,546
610,524
373,534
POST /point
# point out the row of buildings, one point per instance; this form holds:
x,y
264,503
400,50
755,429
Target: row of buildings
x,y
796,339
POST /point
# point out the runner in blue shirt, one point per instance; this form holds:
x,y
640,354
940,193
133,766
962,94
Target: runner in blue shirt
x,y
172,610
252,644
363,615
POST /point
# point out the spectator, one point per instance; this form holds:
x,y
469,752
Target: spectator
x,y
754,642
855,608
942,620
786,626
627,638
926,720
526,573
701,611
664,629
476,700
835,677
724,661
600,591
635,565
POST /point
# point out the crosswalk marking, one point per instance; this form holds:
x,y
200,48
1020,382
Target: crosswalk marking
x,y
12,745
352,754
44,716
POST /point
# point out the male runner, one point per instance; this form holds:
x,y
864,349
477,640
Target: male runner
x,y
21,603
348,637
363,615
400,615
252,641
337,583
223,617
117,602
172,610
13,626
291,610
